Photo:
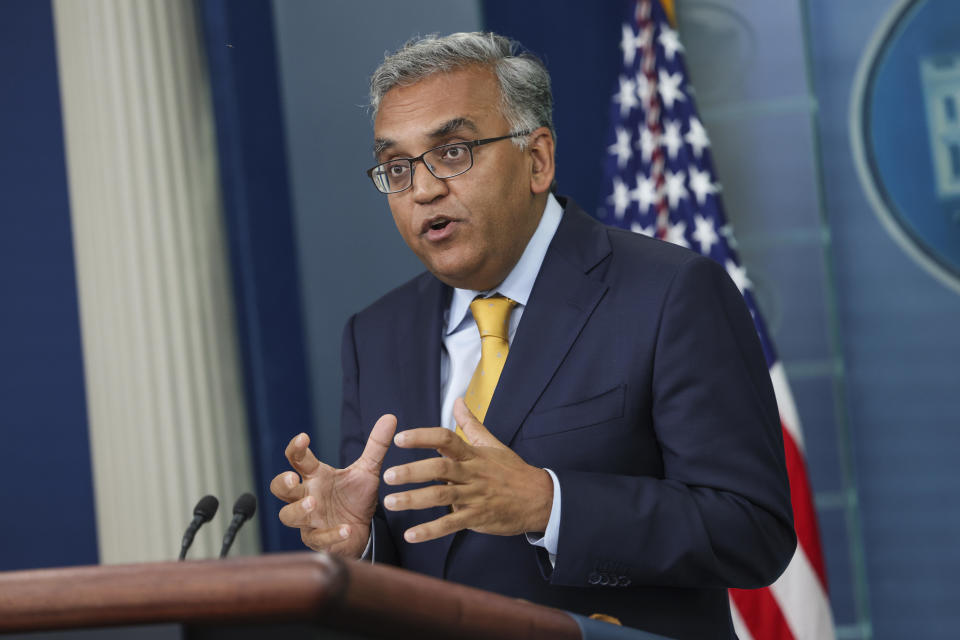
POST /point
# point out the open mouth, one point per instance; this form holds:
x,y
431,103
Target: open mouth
x,y
438,223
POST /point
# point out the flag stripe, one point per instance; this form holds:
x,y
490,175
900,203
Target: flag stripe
x,y
804,515
803,600
788,410
761,614
739,624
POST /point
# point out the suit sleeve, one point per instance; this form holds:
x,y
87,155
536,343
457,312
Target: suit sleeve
x,y
720,515
354,438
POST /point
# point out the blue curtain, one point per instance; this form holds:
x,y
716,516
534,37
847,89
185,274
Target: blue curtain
x,y
241,55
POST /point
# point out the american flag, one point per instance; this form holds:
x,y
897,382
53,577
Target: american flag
x,y
661,182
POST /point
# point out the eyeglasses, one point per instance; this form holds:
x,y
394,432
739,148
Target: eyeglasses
x,y
445,161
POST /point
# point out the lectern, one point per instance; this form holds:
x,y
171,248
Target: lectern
x,y
305,595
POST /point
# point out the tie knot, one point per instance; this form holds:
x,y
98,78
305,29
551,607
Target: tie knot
x,y
492,315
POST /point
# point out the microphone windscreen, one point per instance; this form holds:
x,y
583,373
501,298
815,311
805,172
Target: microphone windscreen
x,y
246,506
206,508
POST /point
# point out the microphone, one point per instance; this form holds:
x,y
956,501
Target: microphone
x,y
243,510
203,512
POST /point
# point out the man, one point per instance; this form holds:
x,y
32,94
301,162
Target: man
x,y
629,461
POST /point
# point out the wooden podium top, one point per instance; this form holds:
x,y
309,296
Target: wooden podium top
x,y
378,601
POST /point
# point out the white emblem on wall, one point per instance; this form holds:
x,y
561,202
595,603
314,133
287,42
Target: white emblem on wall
x,y
940,76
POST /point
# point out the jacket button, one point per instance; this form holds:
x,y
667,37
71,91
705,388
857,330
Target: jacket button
x,y
593,578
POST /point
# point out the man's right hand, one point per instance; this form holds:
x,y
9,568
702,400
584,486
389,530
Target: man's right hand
x,y
333,508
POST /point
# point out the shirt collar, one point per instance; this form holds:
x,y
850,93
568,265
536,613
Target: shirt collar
x,y
519,282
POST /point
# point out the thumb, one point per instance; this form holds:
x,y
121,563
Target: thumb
x,y
476,433
378,443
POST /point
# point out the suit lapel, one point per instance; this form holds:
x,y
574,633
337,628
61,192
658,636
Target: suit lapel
x,y
564,296
418,346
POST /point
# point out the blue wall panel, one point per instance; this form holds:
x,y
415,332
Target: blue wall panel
x,y
46,490
902,350
348,247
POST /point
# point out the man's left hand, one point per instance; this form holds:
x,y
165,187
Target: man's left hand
x,y
489,487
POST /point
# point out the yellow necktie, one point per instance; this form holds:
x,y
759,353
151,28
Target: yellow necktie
x,y
493,321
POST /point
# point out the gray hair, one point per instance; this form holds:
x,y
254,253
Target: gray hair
x,y
525,98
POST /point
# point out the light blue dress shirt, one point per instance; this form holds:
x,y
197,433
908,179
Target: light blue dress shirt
x,y
461,341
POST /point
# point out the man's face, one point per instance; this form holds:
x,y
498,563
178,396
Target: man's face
x,y
471,229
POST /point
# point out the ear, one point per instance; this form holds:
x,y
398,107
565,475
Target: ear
x,y
541,148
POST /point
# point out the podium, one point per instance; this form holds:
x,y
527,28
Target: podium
x,y
312,595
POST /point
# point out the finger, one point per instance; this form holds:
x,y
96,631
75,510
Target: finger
x,y
450,523
298,514
442,468
437,495
377,444
287,486
477,434
300,456
323,539
443,440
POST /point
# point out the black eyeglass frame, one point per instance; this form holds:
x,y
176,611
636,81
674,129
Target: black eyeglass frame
x,y
470,144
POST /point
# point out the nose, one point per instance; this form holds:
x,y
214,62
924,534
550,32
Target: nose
x,y
425,186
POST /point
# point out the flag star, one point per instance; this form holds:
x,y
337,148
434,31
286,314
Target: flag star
x,y
676,233
697,136
669,41
648,144
630,42
626,96
676,191
705,233
636,227
620,198
738,274
622,148
671,138
669,88
645,193
701,185
644,88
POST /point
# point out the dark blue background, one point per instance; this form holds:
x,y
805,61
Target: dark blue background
x,y
579,43
45,478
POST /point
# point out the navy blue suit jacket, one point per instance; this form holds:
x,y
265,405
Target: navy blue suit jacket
x,y
635,375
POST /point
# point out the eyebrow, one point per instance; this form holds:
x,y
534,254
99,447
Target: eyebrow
x,y
380,145
450,126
